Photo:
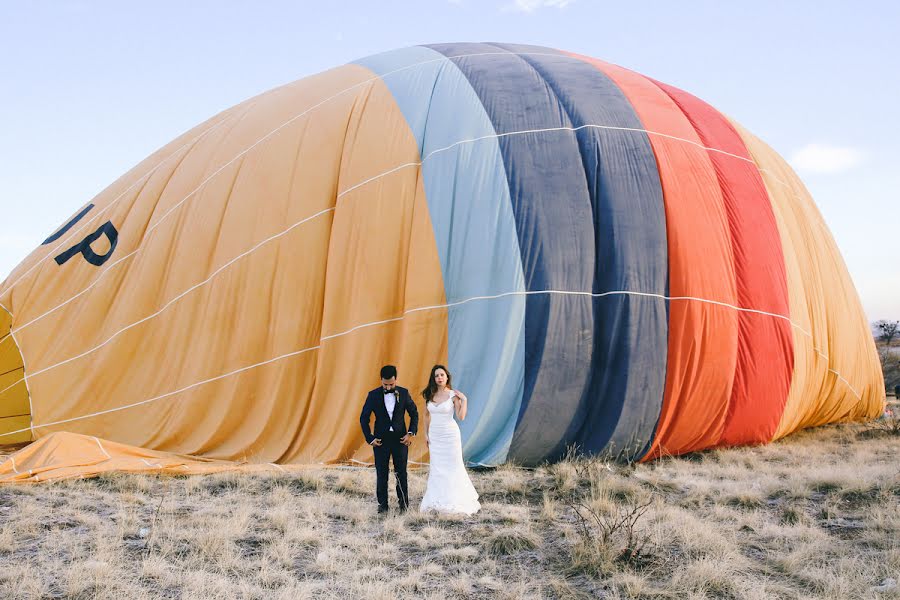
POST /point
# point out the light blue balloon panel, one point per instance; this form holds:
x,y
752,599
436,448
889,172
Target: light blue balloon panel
x,y
468,200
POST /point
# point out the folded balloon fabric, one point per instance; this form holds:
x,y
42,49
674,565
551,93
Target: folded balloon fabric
x,y
64,455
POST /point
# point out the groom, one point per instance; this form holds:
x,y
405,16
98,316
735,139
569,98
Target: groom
x,y
391,438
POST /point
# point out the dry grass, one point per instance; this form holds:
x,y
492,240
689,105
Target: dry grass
x,y
816,515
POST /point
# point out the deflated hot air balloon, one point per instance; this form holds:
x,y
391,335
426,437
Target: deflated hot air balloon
x,y
603,260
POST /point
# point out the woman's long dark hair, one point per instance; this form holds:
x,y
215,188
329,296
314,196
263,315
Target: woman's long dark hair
x,y
432,388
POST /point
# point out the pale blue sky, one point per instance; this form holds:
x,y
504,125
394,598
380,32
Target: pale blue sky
x,y
88,89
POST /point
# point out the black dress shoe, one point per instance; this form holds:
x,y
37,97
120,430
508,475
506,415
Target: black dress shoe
x,y
382,510
403,508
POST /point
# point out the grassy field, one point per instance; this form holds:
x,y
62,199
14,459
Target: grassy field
x,y
816,515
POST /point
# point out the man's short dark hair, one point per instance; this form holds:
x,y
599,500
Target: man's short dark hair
x,y
388,371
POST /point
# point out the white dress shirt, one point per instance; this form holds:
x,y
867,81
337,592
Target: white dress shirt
x,y
390,402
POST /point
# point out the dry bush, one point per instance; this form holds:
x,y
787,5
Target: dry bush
x,y
607,535
888,423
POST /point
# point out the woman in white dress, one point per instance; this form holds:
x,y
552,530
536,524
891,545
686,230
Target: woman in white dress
x,y
449,488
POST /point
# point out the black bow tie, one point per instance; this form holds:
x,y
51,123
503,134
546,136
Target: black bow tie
x,y
387,391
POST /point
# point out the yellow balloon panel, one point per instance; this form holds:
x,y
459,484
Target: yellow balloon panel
x,y
243,312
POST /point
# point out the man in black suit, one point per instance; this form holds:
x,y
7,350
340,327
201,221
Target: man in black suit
x,y
391,438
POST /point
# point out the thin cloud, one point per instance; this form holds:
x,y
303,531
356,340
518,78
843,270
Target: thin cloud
x,y
825,158
529,6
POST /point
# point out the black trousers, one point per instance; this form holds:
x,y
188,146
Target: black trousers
x,y
391,448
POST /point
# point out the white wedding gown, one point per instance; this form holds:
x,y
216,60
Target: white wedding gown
x,y
449,488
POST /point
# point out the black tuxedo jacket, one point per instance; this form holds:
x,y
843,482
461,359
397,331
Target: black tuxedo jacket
x,y
383,423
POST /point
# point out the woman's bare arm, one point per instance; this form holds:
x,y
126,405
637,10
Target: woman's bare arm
x,y
461,404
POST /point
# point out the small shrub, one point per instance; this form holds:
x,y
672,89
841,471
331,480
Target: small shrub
x,y
607,537
887,424
565,477
745,501
791,515
510,541
218,485
859,497
462,555
825,486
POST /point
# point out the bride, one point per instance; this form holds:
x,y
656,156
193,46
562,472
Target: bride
x,y
449,488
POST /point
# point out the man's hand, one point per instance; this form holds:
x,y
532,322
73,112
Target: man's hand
x,y
376,442
406,440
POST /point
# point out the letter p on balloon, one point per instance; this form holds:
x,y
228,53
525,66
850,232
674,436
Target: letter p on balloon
x,y
84,246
